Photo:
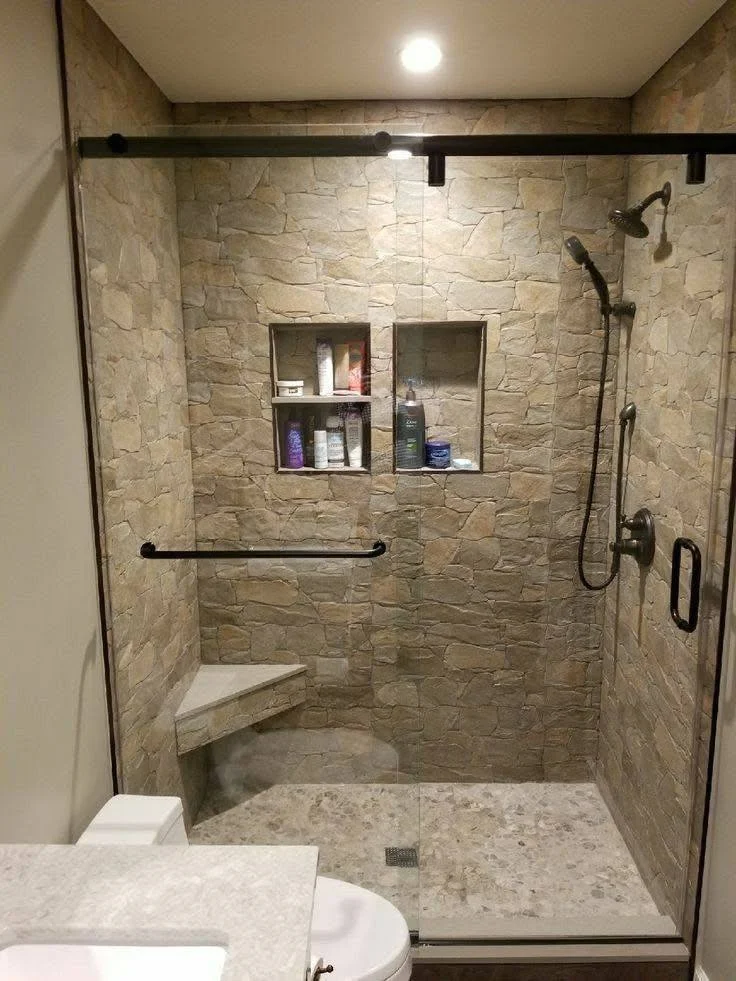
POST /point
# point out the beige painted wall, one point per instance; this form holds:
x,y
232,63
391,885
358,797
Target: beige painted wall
x,y
136,345
54,764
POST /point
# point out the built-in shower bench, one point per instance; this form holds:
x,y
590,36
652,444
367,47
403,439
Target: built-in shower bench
x,y
225,697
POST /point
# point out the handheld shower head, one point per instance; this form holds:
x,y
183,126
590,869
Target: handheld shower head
x,y
581,255
629,220
577,250
627,414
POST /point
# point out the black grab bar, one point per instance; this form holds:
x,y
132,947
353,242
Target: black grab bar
x,y
149,551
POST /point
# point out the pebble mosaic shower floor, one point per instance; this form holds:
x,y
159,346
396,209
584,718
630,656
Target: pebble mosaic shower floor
x,y
485,850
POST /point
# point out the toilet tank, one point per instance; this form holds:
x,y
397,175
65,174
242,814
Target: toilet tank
x,y
137,819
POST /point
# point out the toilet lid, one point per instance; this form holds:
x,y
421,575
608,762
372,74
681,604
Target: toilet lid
x,y
361,934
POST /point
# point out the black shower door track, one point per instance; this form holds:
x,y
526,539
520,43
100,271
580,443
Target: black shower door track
x,y
378,144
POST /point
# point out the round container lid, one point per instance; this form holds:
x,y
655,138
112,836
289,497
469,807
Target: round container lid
x,y
360,933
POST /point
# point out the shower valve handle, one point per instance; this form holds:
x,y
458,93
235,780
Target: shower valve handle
x,y
641,543
636,523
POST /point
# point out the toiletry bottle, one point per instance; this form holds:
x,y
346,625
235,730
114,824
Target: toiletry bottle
x,y
320,442
342,369
354,436
335,442
309,441
356,371
320,449
324,367
410,431
294,444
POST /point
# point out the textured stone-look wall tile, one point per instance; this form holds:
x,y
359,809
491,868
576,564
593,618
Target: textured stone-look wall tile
x,y
657,681
469,648
138,373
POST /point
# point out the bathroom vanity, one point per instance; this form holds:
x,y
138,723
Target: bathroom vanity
x,y
253,902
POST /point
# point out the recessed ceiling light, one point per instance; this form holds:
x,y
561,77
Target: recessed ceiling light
x,y
421,55
400,154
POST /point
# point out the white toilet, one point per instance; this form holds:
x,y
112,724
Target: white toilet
x,y
361,934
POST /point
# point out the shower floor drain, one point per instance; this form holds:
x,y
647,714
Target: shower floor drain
x,y
403,858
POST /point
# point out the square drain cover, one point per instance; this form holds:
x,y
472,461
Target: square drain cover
x,y
404,858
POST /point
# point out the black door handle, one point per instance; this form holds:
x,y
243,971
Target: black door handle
x,y
692,618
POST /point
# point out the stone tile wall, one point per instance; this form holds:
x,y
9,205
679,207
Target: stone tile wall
x,y
657,681
138,370
469,648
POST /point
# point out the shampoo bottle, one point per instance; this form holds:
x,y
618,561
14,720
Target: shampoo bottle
x,y
354,437
410,431
335,442
324,368
294,444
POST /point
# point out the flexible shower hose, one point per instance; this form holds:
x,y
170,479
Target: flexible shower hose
x,y
606,320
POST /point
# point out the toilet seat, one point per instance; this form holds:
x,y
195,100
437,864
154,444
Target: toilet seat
x,y
361,934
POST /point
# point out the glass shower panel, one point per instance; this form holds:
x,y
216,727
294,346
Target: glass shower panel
x,y
658,678
495,749
561,725
274,256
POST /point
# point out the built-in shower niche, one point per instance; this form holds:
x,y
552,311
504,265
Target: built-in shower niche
x,y
294,357
444,363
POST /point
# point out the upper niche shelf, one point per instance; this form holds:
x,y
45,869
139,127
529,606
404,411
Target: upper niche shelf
x,y
320,399
445,361
294,356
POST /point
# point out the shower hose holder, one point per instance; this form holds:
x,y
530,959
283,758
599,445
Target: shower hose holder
x,y
624,309
642,541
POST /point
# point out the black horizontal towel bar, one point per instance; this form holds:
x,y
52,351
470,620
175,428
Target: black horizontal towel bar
x,y
149,551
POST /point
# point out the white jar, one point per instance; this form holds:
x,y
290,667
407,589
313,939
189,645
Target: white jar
x,y
293,388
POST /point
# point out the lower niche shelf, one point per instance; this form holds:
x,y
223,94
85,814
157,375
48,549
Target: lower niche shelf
x,y
223,698
342,470
438,470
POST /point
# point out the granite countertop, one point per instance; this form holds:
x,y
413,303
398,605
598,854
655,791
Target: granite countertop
x,y
254,900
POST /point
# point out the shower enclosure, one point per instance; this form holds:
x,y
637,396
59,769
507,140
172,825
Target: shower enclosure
x,y
457,722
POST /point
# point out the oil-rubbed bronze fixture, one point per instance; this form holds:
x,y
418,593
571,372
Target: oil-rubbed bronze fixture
x,y
629,220
689,623
642,541
149,551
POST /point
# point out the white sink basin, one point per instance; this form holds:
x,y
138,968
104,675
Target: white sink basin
x,y
80,962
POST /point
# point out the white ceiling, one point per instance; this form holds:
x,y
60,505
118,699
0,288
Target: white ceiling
x,y
252,50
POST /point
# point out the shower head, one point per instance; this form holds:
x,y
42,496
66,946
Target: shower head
x,y
581,255
629,220
627,414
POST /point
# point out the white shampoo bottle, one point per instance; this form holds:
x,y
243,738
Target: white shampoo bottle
x,y
354,437
325,376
